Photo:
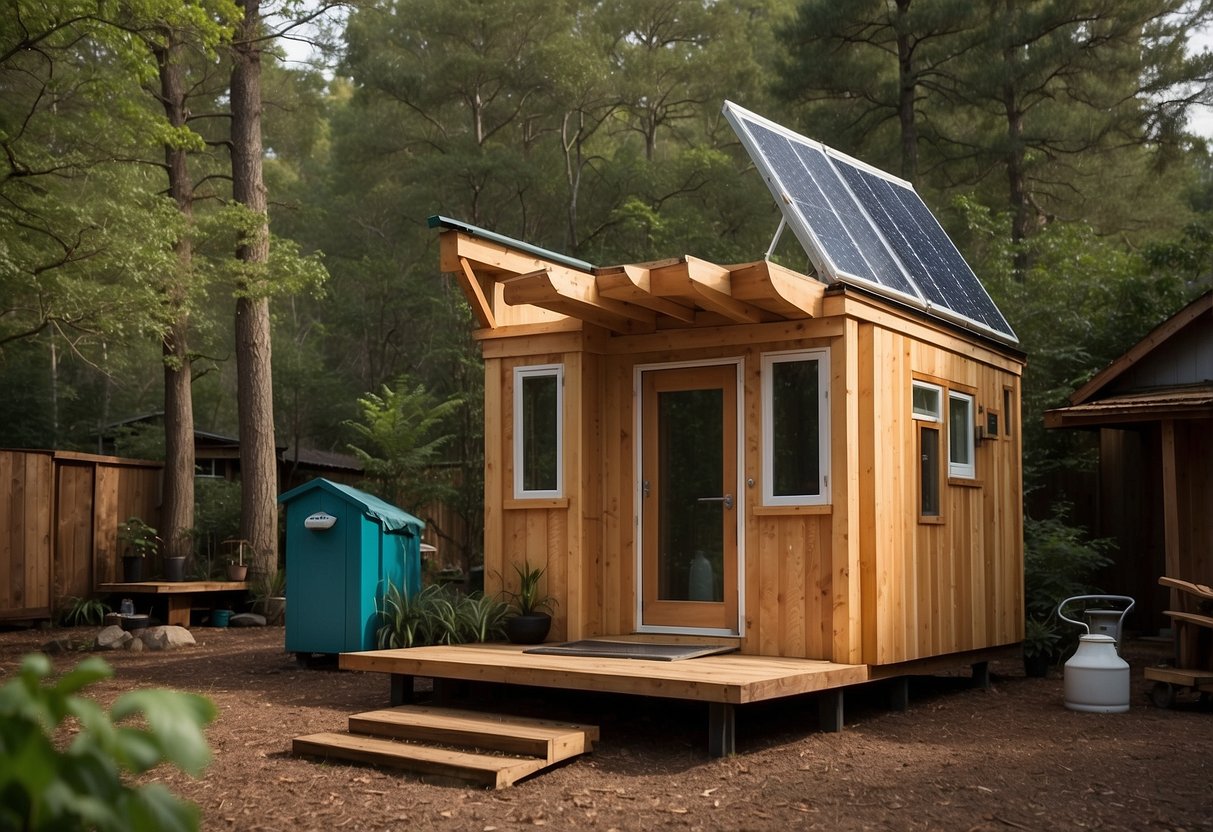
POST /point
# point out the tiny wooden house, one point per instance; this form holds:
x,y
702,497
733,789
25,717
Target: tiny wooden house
x,y
745,453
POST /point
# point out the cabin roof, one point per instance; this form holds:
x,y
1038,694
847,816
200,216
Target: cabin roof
x,y
1167,374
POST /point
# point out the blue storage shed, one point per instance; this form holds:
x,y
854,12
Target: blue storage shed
x,y
342,548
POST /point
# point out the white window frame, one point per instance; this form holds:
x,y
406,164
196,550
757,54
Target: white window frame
x,y
927,416
520,375
822,357
963,470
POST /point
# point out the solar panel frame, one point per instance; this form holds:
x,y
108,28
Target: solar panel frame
x,y
863,226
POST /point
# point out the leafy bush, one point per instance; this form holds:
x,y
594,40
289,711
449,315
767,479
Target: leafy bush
x,y
437,615
79,612
82,786
1059,561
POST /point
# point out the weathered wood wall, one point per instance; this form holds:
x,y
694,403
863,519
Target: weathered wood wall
x,y
59,516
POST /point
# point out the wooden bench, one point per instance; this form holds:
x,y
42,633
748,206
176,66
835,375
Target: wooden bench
x,y
179,594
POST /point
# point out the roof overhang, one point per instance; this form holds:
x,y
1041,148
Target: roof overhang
x,y
1133,409
497,275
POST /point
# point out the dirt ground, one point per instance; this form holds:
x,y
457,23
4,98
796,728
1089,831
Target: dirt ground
x,y
1011,757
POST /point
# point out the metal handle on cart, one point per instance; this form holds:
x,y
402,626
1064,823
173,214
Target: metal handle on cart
x,y
1084,624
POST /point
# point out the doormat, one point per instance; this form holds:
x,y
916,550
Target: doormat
x,y
630,650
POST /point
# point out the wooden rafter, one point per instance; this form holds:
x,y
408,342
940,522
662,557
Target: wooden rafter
x,y
777,289
631,285
706,285
576,294
474,291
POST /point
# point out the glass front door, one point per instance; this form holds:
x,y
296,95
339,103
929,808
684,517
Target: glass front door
x,y
688,498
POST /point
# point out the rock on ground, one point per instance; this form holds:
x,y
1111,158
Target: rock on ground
x,y
247,619
166,638
112,637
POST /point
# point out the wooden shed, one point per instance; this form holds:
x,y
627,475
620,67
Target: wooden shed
x,y
848,468
822,466
1153,410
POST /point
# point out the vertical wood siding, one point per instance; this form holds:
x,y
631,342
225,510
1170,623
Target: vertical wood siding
x,y
860,580
59,516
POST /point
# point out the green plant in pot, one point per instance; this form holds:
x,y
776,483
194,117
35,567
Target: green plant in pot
x,y
237,569
138,541
532,619
269,596
1041,646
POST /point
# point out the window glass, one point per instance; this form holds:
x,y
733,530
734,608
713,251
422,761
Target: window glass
x,y
796,429
928,447
927,401
960,435
537,431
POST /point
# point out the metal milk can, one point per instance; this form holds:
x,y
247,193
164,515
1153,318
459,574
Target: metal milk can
x,y
1096,677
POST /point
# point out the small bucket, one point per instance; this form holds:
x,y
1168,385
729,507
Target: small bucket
x,y
220,618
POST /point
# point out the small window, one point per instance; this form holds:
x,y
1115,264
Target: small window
x,y
960,435
927,401
928,450
538,431
1006,411
796,428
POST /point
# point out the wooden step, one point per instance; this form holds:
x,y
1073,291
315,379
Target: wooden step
x,y
493,771
554,741
395,736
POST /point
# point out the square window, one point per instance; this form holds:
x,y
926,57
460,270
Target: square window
x,y
796,430
538,431
927,401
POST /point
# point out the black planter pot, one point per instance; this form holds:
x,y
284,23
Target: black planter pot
x,y
132,569
1037,666
174,569
528,629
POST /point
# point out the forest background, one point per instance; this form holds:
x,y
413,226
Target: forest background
x,y
1051,137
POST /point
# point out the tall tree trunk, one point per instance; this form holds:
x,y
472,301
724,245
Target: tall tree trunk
x,y
907,89
177,511
254,391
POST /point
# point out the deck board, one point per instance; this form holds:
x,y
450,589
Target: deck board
x,y
731,679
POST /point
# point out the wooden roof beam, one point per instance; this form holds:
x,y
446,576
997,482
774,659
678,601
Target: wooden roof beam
x,y
778,289
474,290
576,294
486,255
707,285
631,285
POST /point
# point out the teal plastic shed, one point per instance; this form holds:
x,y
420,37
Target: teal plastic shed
x,y
342,548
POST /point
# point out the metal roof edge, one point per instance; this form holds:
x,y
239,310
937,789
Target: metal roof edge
x,y
438,221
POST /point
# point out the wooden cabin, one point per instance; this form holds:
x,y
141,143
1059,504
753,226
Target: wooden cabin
x,y
1153,410
740,453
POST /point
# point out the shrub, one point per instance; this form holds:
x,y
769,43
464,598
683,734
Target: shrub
x,y
437,615
83,611
82,786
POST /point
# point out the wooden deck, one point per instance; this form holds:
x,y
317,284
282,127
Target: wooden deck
x,y
723,681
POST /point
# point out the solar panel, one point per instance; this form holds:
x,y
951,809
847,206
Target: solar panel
x,y
863,226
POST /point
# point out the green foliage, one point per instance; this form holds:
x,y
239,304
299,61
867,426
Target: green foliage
x,y
437,615
529,598
137,538
1059,561
216,515
84,785
1041,637
401,437
79,612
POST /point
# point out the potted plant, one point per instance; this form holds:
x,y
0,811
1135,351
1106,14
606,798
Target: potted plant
x,y
1041,643
174,556
269,596
237,569
531,623
138,541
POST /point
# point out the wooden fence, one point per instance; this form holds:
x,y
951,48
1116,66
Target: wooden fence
x,y
59,516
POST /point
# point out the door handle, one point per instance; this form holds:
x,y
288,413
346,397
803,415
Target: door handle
x,y
727,499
